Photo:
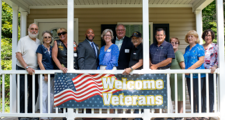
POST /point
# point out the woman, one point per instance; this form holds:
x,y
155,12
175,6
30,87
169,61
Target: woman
x,y
194,58
109,54
211,62
45,62
59,50
177,63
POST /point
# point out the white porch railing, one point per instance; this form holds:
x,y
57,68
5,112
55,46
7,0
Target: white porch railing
x,y
103,113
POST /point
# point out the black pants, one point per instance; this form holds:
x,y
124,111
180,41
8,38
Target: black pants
x,y
22,91
211,94
195,92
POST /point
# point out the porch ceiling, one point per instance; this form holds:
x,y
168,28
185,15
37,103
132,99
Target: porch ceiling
x,y
48,4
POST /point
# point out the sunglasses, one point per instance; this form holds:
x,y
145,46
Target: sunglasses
x,y
62,33
47,37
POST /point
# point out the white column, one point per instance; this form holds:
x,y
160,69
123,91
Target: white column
x,y
198,15
70,38
145,23
70,33
14,47
220,40
23,24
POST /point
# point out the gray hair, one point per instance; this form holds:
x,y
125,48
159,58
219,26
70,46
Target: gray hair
x,y
120,25
43,37
105,31
32,24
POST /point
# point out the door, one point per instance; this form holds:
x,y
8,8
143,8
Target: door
x,y
53,24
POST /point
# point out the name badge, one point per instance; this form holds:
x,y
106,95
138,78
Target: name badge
x,y
75,54
127,50
109,50
134,53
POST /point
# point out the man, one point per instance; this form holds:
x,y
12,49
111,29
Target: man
x,y
27,60
124,44
136,57
161,55
88,52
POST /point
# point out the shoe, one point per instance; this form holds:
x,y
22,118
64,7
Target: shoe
x,y
179,119
34,119
138,119
190,118
23,118
205,118
159,119
64,118
169,118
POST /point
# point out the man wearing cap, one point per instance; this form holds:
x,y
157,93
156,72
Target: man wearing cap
x,y
124,44
136,56
161,55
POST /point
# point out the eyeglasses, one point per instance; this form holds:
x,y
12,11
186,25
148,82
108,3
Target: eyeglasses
x,y
120,30
174,43
34,29
62,33
47,37
107,35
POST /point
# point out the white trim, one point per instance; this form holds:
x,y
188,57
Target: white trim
x,y
115,6
139,23
76,36
200,4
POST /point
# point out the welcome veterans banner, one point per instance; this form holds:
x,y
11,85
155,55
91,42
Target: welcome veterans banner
x,y
137,91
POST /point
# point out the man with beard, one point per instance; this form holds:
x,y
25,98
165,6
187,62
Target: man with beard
x,y
27,60
88,52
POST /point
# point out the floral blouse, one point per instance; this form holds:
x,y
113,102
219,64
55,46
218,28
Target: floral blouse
x,y
211,56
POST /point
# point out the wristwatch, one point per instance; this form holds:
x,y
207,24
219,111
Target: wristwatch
x,y
26,67
131,69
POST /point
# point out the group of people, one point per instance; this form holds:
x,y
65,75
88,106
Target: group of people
x,y
121,53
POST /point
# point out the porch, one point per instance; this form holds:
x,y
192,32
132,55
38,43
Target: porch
x,y
27,7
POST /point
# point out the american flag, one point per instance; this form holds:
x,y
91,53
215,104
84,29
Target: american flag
x,y
78,88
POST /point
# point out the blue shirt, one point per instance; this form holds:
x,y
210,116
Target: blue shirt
x,y
192,56
160,53
94,47
46,57
109,58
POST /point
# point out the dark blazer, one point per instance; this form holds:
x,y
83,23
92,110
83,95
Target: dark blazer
x,y
124,56
87,59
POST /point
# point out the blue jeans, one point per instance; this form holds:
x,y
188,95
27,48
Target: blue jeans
x,y
22,90
195,92
211,94
137,111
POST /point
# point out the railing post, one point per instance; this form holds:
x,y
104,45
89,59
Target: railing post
x,y
14,47
70,39
145,24
220,39
146,114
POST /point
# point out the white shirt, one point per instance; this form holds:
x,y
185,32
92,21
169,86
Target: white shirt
x,y
27,47
119,42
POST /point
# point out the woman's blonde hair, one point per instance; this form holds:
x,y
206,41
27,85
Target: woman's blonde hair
x,y
61,29
194,33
